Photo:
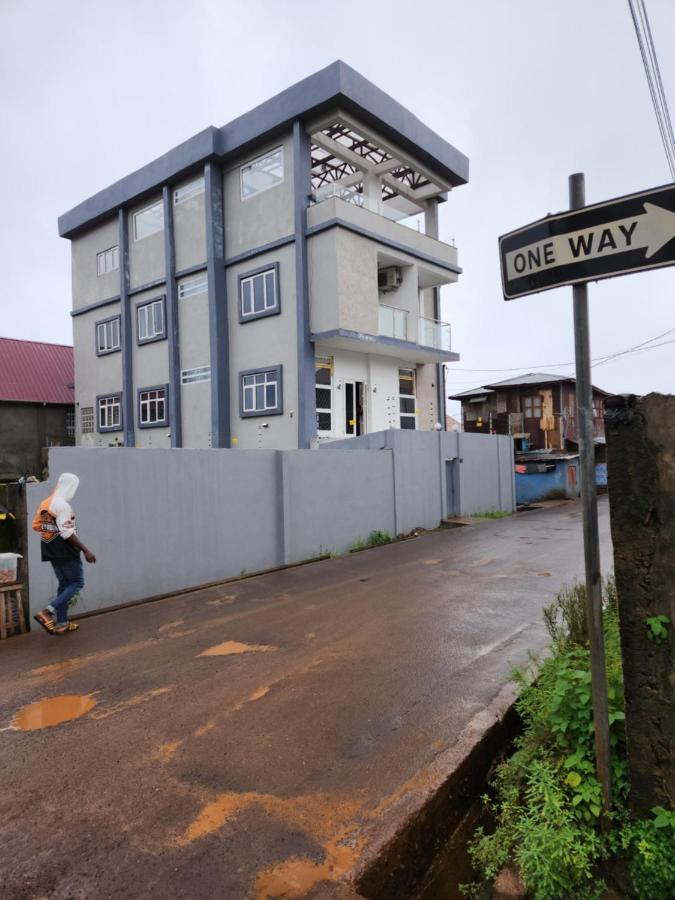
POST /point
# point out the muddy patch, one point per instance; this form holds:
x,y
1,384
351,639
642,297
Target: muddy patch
x,y
227,648
52,711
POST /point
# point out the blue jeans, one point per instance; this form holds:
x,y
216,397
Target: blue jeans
x,y
71,580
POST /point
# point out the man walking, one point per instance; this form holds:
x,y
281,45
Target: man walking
x,y
59,544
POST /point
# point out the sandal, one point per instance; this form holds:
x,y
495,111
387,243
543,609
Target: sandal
x,y
63,629
45,621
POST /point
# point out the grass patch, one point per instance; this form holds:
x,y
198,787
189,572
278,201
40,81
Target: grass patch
x,y
545,800
376,538
491,514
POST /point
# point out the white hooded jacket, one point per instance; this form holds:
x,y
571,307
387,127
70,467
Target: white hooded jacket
x,y
60,507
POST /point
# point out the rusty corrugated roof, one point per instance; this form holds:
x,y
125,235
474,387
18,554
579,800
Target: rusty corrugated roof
x,y
33,372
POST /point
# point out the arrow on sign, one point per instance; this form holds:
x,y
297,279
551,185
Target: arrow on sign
x,y
650,230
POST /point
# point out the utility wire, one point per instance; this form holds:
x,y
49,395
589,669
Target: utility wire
x,y
645,41
598,360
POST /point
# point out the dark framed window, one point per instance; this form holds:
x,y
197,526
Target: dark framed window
x,y
151,321
323,366
109,412
259,293
108,338
407,401
261,392
153,406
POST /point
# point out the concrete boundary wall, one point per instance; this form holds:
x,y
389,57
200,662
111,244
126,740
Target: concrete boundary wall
x,y
162,520
480,467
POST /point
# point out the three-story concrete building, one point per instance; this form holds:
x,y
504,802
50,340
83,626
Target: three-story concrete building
x,y
269,283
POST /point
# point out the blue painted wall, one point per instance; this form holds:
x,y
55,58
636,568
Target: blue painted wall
x,y
538,485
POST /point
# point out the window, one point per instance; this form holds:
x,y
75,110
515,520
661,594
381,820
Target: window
x,y
259,293
148,221
197,285
188,191
87,419
108,336
260,392
108,260
324,394
150,317
70,423
532,407
406,390
263,173
190,376
110,413
153,407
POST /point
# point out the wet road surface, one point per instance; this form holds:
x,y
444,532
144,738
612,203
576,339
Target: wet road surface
x,y
259,738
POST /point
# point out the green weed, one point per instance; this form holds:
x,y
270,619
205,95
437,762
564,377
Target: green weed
x,y
546,799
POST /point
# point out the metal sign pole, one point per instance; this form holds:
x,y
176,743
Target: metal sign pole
x,y
590,516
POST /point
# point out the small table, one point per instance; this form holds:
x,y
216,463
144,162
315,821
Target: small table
x,y
12,617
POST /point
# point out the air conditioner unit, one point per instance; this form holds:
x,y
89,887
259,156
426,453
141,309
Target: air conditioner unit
x,y
388,279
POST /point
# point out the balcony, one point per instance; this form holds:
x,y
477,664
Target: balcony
x,y
393,322
380,222
432,333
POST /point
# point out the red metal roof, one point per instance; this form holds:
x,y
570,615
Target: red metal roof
x,y
32,372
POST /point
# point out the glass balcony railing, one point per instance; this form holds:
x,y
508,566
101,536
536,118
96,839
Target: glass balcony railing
x,y
393,322
353,195
434,334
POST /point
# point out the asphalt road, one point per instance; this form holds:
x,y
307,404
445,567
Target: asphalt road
x,y
261,737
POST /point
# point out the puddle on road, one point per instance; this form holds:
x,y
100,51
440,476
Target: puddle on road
x,y
227,648
432,562
295,877
53,711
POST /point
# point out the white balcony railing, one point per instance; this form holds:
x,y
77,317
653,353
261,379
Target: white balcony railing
x,y
434,334
393,322
357,198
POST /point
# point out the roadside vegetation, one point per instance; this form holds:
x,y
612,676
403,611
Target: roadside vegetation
x,y
491,514
376,538
545,800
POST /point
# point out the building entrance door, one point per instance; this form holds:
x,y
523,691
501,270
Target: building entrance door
x,y
354,408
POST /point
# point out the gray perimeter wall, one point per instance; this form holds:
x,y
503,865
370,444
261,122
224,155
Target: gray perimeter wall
x,y
163,520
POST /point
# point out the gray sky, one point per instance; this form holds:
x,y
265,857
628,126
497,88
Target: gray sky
x,y
530,90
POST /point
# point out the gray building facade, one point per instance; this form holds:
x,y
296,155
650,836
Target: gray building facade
x,y
269,284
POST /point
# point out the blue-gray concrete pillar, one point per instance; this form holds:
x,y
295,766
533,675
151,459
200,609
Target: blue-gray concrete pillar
x,y
302,182
126,332
217,294
175,416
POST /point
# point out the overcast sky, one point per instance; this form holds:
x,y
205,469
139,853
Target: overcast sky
x,y
529,90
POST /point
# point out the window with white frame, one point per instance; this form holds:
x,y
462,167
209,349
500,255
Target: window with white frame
x,y
150,318
87,420
188,191
110,413
259,293
191,376
148,221
263,173
406,391
108,260
192,286
532,406
108,336
261,392
324,394
152,407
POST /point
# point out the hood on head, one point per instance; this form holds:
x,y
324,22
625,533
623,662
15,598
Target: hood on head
x,y
66,487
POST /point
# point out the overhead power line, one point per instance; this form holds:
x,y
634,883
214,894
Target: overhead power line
x,y
596,361
645,40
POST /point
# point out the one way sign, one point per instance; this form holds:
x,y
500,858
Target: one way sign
x,y
625,235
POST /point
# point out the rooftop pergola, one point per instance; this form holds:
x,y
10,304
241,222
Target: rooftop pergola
x,y
344,152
